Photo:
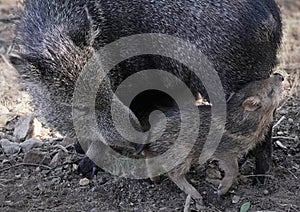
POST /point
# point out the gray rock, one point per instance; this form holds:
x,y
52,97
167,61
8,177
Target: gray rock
x,y
37,157
9,137
23,127
57,159
30,144
9,148
67,141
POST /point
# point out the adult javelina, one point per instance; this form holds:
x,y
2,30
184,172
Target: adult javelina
x,y
57,37
250,113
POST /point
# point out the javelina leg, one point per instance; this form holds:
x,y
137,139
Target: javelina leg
x,y
180,180
263,157
231,169
150,154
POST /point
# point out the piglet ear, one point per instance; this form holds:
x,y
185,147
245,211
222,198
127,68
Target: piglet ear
x,y
252,103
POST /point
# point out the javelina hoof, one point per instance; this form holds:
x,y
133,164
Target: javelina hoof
x,y
219,192
222,189
199,203
94,170
87,168
78,148
155,180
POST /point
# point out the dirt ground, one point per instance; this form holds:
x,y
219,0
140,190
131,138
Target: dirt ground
x,y
56,186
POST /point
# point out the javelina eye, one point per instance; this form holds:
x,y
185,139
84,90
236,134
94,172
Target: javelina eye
x,y
272,92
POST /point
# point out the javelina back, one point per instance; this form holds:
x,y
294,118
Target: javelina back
x,y
250,112
57,37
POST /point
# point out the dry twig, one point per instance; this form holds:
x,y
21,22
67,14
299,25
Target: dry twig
x,y
279,122
284,138
9,19
187,204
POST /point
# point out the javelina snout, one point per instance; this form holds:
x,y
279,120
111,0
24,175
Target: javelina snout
x,y
250,112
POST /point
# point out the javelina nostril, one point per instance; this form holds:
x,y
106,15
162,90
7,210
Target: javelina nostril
x,y
279,76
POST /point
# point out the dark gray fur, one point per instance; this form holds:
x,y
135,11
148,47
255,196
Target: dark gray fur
x,y
56,38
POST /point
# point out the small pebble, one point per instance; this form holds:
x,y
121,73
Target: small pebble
x,y
74,167
266,192
280,133
235,199
291,121
84,182
18,176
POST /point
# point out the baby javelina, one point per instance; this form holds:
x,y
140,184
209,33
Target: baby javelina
x,y
250,111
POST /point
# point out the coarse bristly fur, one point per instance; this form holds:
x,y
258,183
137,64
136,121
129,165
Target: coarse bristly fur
x,y
249,114
57,37
56,40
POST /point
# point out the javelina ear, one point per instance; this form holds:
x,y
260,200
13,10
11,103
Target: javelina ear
x,y
252,103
